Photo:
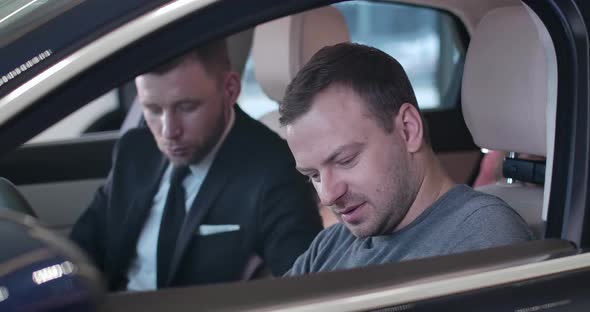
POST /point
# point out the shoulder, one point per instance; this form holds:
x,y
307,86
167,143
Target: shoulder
x,y
136,149
473,204
259,133
322,250
485,220
261,145
486,205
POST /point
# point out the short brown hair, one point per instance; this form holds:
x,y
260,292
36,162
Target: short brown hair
x,y
212,55
371,73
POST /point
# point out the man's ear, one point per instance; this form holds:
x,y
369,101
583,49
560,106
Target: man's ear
x,y
409,121
232,86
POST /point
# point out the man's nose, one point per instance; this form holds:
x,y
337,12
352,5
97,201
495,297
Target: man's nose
x,y
331,188
171,127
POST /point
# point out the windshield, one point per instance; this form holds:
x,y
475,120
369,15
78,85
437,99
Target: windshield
x,y
18,17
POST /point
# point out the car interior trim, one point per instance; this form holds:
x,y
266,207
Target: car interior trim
x,y
450,286
84,58
23,165
359,289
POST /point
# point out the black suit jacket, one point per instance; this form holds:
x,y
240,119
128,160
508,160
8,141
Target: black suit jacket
x,y
252,182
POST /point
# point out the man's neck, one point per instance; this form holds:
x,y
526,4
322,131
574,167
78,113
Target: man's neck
x,y
435,183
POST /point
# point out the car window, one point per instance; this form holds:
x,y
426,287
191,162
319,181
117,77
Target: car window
x,y
427,42
95,115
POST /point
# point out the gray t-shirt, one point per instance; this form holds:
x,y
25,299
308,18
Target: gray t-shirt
x,y
460,220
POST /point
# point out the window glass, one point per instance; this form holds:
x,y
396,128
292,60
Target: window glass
x,y
425,41
82,120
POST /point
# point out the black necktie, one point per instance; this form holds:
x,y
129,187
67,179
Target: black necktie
x,y
172,219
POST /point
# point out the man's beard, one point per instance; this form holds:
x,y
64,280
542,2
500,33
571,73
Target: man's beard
x,y
387,215
406,189
398,208
211,141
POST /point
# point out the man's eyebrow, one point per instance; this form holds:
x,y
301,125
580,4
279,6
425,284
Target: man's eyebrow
x,y
341,149
188,100
148,104
304,170
333,155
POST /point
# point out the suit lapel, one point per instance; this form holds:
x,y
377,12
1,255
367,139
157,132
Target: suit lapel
x,y
139,211
213,185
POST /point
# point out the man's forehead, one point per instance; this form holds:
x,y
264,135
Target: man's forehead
x,y
151,91
339,102
174,85
311,144
336,119
336,108
306,142
187,69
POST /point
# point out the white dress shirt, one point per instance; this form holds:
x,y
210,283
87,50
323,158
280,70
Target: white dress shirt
x,y
142,274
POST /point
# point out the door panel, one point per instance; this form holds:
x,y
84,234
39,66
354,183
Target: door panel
x,y
60,178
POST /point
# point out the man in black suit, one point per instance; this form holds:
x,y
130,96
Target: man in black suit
x,y
205,195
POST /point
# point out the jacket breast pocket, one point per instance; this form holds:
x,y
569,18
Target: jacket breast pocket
x,y
216,257
219,242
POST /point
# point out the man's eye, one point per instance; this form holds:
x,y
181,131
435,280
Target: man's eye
x,y
347,161
154,110
187,107
314,177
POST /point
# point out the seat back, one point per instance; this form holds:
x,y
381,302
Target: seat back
x,y
509,98
282,46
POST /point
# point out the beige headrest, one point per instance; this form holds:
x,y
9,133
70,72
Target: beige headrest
x,y
281,47
510,82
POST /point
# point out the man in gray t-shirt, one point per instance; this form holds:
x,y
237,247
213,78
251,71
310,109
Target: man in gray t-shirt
x,y
354,128
460,220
